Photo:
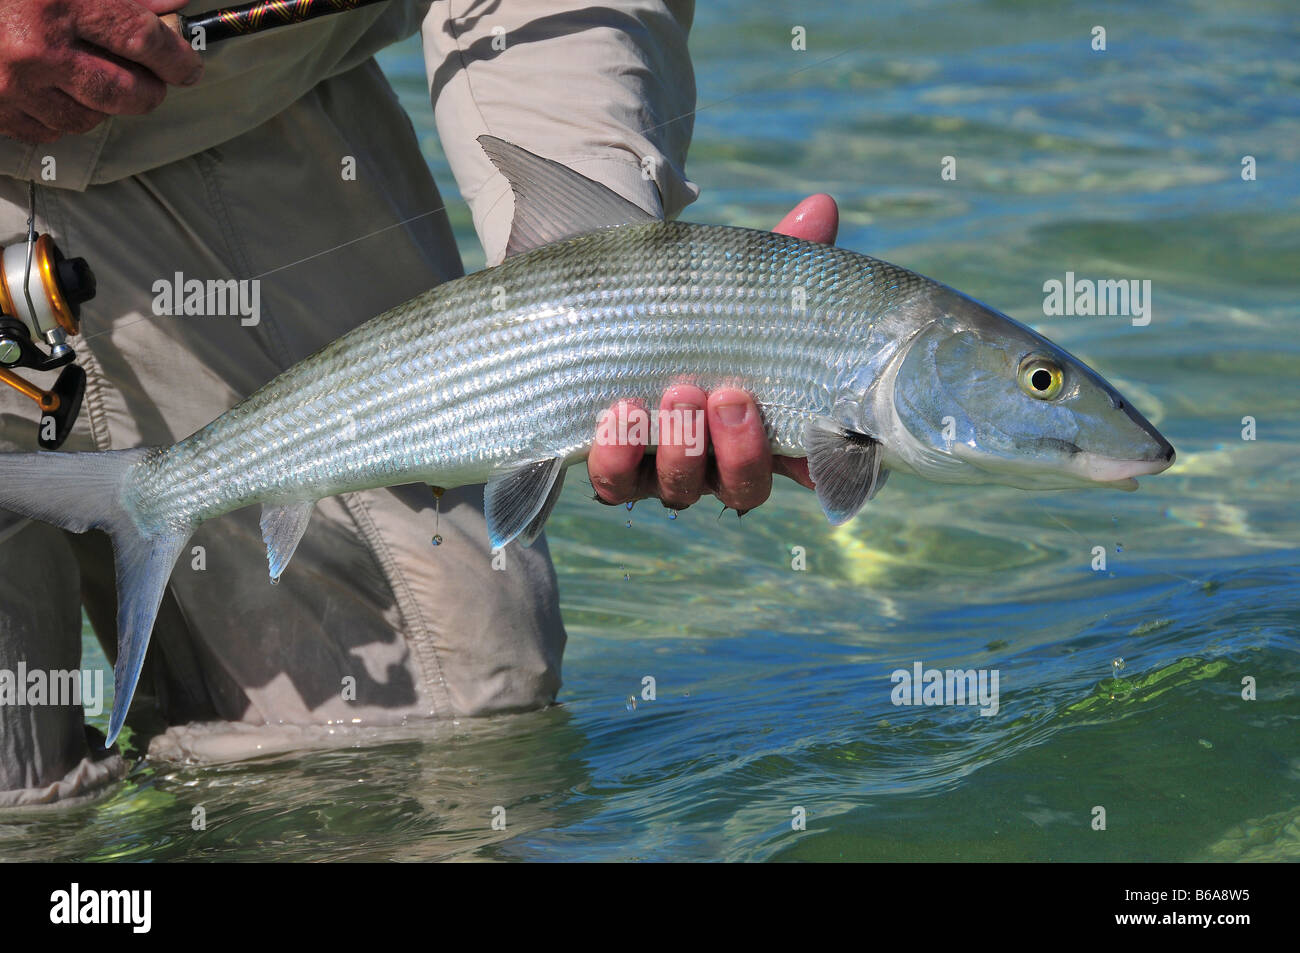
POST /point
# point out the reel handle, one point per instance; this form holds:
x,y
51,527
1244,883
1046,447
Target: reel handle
x,y
59,405
68,390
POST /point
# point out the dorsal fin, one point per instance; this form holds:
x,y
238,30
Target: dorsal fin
x,y
552,202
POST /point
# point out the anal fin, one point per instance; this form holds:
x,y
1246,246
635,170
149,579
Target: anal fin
x,y
282,529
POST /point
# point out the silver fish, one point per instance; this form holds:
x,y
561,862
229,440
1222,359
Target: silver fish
x,y
500,377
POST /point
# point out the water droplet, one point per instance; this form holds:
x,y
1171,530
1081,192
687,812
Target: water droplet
x,y
437,539
1204,744
626,577
630,504
672,514
275,580
1119,547
1116,666
631,703
629,524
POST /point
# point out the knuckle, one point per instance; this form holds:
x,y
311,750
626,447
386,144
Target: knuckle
x,y
24,51
101,88
150,44
138,44
748,461
609,490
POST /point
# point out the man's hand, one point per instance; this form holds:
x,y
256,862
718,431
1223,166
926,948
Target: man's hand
x,y
66,65
740,472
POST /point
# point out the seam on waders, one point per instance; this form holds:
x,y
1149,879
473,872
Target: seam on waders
x,y
420,646
208,168
415,627
93,401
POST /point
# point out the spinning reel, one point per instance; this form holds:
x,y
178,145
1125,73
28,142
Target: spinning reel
x,y
41,293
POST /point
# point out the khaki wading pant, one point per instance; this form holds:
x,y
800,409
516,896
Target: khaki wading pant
x,y
424,631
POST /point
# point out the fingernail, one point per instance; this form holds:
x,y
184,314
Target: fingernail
x,y
686,405
731,415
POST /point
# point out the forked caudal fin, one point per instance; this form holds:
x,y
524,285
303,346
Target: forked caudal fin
x,y
83,491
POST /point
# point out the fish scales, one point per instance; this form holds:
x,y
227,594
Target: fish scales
x,y
516,363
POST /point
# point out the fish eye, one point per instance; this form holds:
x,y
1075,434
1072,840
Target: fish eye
x,y
1040,378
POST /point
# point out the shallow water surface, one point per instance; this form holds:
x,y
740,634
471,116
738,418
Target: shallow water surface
x,y
773,685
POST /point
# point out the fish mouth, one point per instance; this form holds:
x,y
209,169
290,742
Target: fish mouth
x,y
1082,469
1122,474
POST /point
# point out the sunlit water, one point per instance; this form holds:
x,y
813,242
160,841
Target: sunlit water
x,y
773,685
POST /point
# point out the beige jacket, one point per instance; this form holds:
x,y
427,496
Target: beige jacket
x,y
607,90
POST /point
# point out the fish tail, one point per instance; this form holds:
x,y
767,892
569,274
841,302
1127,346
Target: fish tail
x,y
85,491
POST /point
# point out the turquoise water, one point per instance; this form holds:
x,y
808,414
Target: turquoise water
x,y
773,685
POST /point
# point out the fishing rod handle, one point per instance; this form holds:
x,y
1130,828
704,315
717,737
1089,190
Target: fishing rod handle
x,y
256,17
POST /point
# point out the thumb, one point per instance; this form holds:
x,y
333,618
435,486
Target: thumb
x,y
162,6
815,219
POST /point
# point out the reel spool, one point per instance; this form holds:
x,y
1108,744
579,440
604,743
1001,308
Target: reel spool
x,y
41,293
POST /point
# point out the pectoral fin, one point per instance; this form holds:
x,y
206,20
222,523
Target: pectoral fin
x,y
517,502
282,529
844,466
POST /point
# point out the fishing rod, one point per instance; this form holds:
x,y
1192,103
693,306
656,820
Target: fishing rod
x,y
252,18
41,290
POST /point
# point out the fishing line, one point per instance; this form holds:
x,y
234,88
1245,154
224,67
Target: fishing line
x,y
353,241
438,491
1053,516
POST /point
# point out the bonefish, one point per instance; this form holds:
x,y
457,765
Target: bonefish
x,y
500,377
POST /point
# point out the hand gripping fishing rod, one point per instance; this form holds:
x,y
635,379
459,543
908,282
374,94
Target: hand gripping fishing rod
x,y
249,18
41,291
